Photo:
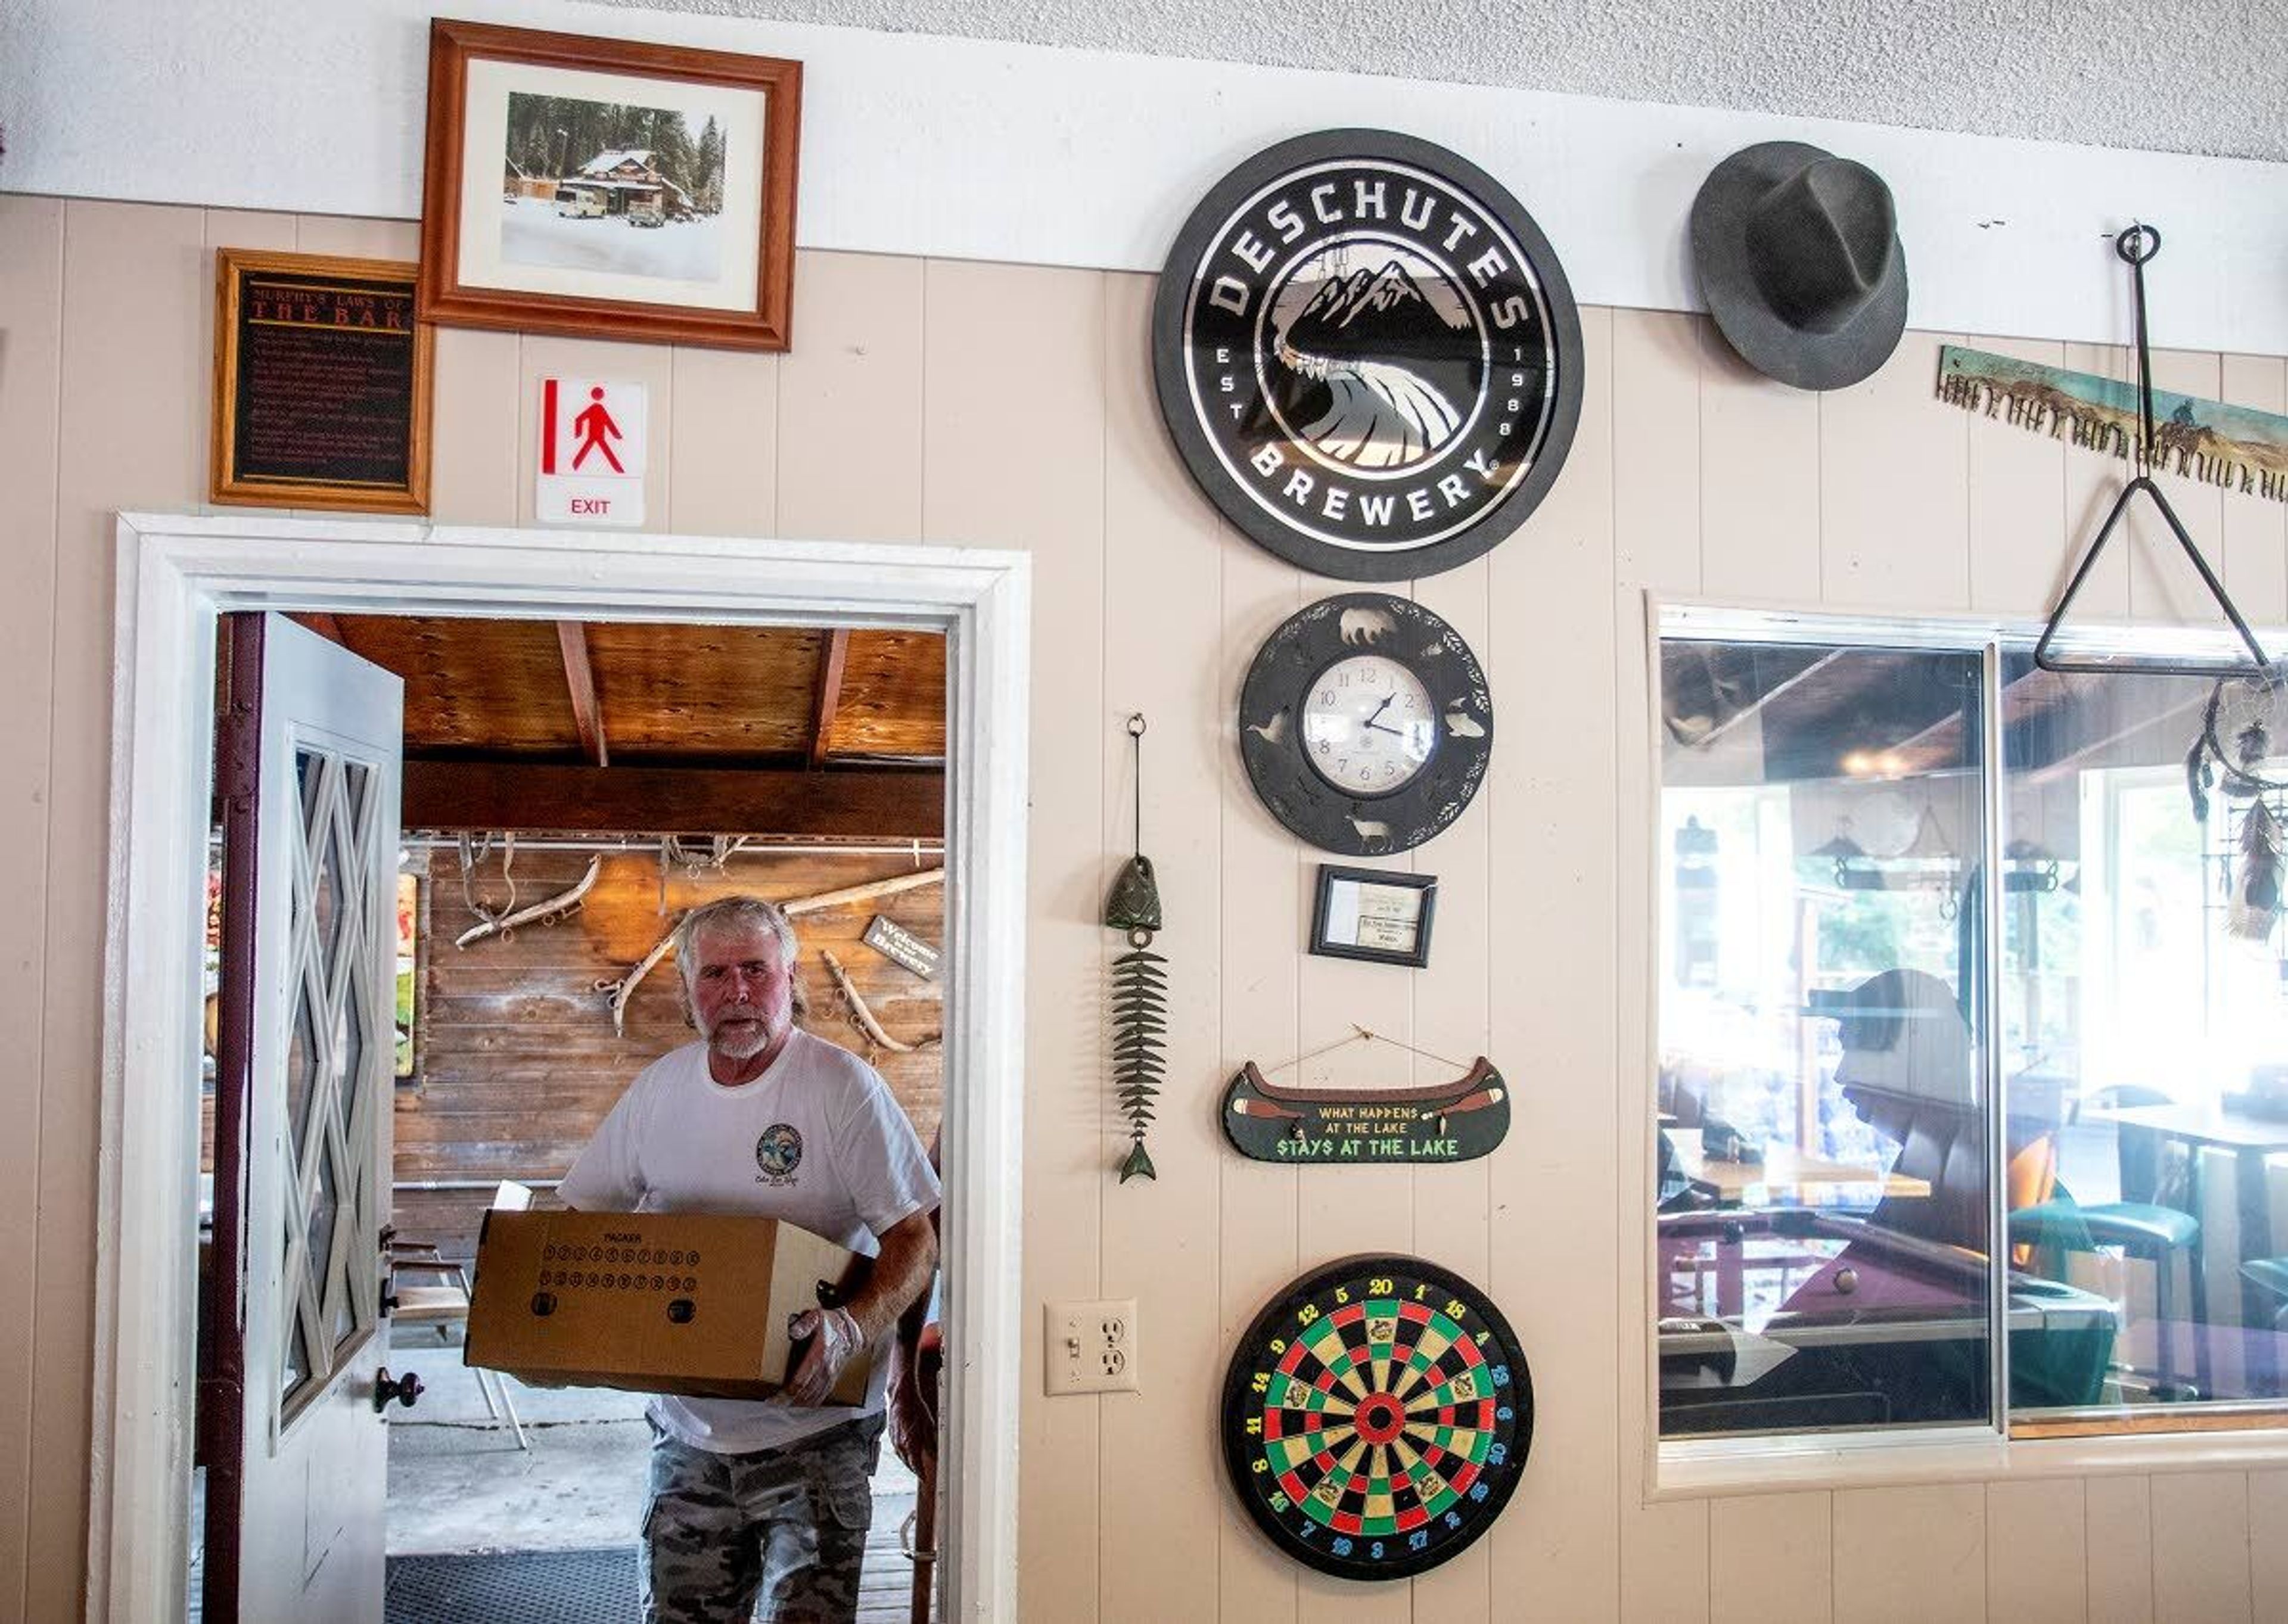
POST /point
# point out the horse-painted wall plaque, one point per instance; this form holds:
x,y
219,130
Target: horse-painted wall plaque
x,y
2236,448
1447,1121
1366,355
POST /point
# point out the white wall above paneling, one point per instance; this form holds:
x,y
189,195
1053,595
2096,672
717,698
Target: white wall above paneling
x,y
979,150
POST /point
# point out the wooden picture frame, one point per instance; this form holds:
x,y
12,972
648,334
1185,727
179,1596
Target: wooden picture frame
x,y
679,226
1374,914
323,382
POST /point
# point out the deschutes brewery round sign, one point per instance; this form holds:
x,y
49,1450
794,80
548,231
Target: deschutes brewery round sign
x,y
1368,354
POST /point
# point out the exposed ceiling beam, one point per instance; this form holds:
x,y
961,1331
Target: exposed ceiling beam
x,y
2098,743
580,679
2033,693
455,795
832,658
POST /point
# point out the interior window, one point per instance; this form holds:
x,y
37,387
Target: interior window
x,y
1828,1153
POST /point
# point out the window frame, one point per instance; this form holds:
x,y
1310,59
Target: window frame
x,y
2234,1437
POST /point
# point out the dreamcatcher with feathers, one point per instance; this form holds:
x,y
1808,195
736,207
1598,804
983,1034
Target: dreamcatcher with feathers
x,y
2245,719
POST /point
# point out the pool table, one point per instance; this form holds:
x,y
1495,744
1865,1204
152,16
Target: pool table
x,y
1835,1321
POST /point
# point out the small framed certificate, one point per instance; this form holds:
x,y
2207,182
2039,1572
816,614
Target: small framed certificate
x,y
1368,914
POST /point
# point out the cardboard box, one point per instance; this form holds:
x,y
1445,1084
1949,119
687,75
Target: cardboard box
x,y
651,1303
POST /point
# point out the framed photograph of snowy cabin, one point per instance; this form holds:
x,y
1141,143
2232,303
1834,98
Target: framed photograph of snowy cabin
x,y
609,189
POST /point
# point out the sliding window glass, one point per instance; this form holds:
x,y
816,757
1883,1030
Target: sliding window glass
x,y
1822,1150
2144,1003
1837,921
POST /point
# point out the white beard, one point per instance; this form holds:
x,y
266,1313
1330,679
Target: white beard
x,y
744,1043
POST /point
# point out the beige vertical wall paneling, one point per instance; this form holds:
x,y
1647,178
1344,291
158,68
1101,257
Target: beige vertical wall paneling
x,y
1892,462
1656,411
894,416
2119,1514
357,239
851,400
1656,403
1263,900
2251,550
722,455
1007,345
478,444
2036,1551
1162,593
1910,1555
1453,1206
651,365
1759,479
2268,1544
1556,1220
132,418
2200,1547
1771,1560
2021,554
31,368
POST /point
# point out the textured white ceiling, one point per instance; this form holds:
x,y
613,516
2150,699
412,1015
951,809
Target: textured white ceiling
x,y
2206,76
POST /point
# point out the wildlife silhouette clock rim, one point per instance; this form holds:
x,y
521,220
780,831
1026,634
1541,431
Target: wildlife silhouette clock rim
x,y
1276,752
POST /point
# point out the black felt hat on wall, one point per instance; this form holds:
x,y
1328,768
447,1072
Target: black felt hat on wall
x,y
1799,260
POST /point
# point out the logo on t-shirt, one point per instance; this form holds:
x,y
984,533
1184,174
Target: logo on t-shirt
x,y
778,1152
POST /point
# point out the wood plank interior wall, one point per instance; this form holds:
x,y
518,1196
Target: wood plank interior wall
x,y
515,1056
1009,407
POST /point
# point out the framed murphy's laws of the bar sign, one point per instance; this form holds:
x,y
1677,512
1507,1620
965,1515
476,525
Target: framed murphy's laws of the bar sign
x,y
322,384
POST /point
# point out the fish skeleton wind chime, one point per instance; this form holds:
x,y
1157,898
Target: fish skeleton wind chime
x,y
1140,986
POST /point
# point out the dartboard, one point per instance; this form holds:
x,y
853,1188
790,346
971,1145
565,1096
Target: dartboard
x,y
1376,1416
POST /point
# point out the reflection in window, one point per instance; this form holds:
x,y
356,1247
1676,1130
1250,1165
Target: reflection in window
x,y
1823,1223
1825,1163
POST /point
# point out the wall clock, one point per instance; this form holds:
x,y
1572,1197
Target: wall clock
x,y
1365,724
1377,1416
1368,354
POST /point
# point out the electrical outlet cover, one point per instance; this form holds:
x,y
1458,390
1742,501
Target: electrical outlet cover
x,y
1089,1347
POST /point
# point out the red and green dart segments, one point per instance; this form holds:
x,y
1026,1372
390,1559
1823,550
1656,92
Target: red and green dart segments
x,y
1376,1416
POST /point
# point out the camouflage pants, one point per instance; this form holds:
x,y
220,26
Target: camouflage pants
x,y
786,1524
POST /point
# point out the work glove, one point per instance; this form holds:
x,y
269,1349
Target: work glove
x,y
834,1342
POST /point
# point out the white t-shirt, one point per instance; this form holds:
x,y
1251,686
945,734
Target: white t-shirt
x,y
816,1140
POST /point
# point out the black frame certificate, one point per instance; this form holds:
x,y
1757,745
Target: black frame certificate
x,y
322,384
1374,914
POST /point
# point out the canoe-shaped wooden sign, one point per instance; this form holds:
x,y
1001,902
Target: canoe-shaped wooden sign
x,y
1451,1121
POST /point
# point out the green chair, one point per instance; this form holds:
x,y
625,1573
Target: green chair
x,y
2143,1227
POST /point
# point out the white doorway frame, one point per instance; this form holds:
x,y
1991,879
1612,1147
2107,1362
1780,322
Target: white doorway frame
x,y
175,575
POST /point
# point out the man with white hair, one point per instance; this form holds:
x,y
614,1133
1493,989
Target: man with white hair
x,y
761,1117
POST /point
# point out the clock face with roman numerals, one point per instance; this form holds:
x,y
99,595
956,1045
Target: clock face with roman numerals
x,y
1376,1417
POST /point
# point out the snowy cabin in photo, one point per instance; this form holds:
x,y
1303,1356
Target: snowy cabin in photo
x,y
630,185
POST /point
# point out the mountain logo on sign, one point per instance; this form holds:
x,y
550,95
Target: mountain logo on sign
x,y
1366,349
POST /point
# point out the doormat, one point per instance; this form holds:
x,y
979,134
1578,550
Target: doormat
x,y
543,1586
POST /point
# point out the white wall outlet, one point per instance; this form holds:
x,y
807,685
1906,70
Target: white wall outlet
x,y
1090,1347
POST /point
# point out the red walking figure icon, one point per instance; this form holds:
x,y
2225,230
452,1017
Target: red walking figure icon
x,y
592,425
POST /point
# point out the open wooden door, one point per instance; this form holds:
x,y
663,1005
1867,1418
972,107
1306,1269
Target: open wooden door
x,y
296,1327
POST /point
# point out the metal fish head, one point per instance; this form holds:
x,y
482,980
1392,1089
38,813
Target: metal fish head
x,y
1134,904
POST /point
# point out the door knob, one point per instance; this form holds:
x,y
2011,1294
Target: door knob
x,y
404,1388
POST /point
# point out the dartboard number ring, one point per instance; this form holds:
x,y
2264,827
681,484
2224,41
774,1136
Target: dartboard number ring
x,y
1366,355
1377,1416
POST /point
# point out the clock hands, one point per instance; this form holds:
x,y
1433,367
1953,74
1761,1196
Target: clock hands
x,y
1374,724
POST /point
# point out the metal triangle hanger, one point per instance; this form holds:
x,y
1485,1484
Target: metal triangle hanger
x,y
2137,245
